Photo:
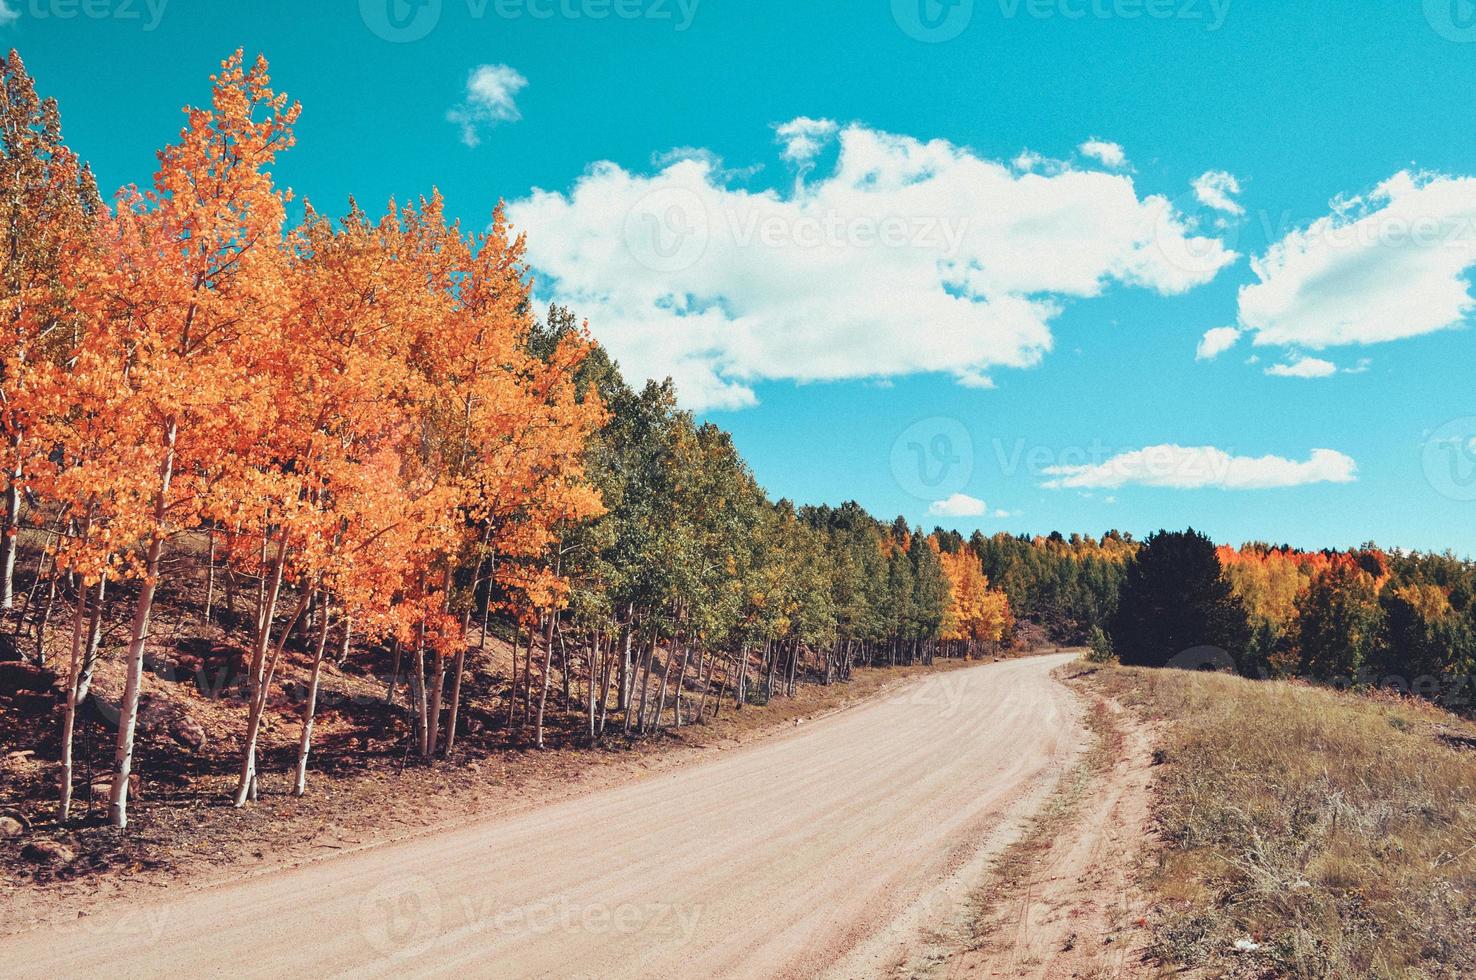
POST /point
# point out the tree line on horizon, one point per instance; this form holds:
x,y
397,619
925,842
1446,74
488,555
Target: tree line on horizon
x,y
1363,618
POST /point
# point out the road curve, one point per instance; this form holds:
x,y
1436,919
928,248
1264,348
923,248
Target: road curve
x,y
831,850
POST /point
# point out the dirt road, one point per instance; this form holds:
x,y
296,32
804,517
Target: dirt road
x,y
836,849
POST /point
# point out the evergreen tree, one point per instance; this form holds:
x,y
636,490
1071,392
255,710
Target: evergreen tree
x,y
1174,599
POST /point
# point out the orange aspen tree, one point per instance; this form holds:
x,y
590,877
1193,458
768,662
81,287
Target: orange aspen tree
x,y
48,202
501,440
327,468
184,308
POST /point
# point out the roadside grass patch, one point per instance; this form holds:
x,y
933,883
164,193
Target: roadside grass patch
x,y
1307,832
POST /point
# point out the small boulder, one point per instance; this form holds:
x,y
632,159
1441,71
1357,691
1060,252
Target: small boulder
x,y
188,732
48,852
11,827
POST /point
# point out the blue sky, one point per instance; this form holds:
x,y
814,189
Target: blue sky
x,y
1007,199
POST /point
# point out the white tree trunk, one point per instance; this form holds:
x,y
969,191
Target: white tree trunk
x,y
309,709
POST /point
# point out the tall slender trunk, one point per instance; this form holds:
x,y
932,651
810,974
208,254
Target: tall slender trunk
x,y
794,655
69,720
438,677
94,641
209,578
711,659
740,689
44,619
528,674
246,782
11,531
309,708
608,675
460,668
389,690
133,667
624,696
512,684
643,674
676,703
717,701
564,671
433,711
547,676
671,655
417,691
269,591
594,649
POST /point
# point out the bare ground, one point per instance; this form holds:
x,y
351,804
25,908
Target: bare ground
x,y
1064,899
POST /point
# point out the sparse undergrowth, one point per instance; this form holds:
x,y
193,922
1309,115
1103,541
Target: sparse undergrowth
x,y
1307,832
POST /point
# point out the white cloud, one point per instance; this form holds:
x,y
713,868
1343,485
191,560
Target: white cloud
x,y
1217,189
1006,514
958,505
1216,342
1106,153
8,14
905,257
1182,467
491,94
1303,367
804,138
1390,265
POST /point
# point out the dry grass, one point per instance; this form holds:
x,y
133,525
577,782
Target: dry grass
x,y
1330,835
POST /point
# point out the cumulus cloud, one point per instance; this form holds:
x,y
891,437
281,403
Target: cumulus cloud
x,y
1194,467
958,505
904,257
1390,265
491,98
1216,342
1108,154
1303,367
804,138
1217,189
